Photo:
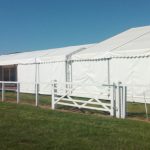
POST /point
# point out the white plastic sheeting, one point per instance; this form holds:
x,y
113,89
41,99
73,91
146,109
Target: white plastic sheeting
x,y
92,74
48,73
135,73
41,67
27,78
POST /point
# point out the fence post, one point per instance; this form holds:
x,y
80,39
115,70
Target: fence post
x,y
36,94
145,106
18,93
124,102
118,101
54,91
3,91
113,100
121,99
53,97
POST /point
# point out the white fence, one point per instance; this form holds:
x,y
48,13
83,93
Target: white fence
x,y
138,93
15,87
10,86
107,98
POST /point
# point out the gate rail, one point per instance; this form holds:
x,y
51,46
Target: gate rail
x,y
114,103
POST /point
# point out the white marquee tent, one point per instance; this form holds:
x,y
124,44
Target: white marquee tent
x,y
40,67
124,57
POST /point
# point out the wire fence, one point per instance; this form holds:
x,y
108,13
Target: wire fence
x,y
25,93
138,106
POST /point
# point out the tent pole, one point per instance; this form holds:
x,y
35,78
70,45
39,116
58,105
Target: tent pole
x,y
17,72
108,67
71,71
9,74
69,64
68,71
36,84
2,73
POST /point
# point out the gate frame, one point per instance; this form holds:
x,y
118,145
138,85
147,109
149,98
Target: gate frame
x,y
117,102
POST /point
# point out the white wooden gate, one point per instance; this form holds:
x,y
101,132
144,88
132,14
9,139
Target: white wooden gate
x,y
109,98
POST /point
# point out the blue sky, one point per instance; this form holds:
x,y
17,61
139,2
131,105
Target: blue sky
x,y
41,24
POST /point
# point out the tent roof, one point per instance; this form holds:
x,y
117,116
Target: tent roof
x,y
134,42
49,55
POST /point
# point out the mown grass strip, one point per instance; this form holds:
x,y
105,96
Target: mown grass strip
x,y
26,127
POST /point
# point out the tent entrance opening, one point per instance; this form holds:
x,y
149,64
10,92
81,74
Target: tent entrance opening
x,y
8,73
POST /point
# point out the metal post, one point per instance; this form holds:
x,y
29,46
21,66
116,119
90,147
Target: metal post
x,y
53,96
108,67
145,107
53,102
18,93
36,94
121,99
124,99
54,92
118,100
2,73
36,83
3,91
113,100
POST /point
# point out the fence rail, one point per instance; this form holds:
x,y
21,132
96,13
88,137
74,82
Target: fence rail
x,y
107,98
113,103
15,86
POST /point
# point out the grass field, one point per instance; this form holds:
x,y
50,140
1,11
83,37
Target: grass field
x,y
24,127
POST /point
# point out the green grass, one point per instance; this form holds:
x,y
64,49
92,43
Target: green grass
x,y
25,127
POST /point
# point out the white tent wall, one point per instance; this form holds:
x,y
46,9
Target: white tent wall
x,y
27,78
43,74
132,72
49,72
135,73
91,75
41,66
